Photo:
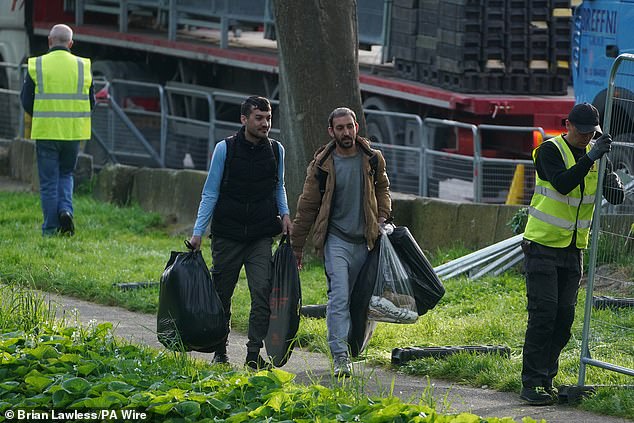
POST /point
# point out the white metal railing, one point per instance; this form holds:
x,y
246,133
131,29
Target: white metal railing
x,y
147,124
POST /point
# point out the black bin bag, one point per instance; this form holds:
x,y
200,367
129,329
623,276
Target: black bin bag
x,y
285,302
190,314
427,287
361,328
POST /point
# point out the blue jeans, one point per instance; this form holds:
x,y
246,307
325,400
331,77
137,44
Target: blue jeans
x,y
343,261
56,162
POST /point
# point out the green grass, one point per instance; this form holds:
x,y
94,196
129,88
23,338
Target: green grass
x,y
115,245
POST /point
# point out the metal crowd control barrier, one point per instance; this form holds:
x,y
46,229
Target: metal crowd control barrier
x,y
180,134
444,167
12,116
404,162
496,173
188,135
126,132
474,177
611,244
177,126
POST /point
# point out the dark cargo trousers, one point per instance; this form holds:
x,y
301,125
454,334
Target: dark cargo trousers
x,y
228,258
552,283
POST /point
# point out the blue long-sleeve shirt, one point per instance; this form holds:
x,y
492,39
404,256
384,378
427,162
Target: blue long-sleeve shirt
x,y
211,189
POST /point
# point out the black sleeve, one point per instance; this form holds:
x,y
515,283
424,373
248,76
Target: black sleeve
x,y
91,95
550,167
27,95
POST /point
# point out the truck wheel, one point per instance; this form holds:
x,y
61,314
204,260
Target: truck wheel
x,y
622,156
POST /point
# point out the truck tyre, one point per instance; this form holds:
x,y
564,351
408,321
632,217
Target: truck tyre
x,y
623,155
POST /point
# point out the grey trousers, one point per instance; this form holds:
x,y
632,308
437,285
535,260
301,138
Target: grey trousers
x,y
228,258
343,261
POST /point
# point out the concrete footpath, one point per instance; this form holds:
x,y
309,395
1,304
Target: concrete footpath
x,y
311,367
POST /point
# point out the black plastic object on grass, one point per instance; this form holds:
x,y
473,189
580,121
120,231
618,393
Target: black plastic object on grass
x,y
401,356
315,311
427,287
190,314
127,286
285,302
603,302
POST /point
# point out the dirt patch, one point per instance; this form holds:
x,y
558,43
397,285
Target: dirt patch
x,y
611,279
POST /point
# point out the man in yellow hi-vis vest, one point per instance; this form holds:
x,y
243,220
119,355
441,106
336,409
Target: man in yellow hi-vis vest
x,y
557,231
58,94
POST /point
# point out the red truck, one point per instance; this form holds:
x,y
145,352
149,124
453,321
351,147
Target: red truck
x,y
188,42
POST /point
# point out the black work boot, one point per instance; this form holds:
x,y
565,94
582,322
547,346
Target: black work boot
x,y
536,396
220,357
255,361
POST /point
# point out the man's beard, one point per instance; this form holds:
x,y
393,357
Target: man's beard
x,y
344,142
257,134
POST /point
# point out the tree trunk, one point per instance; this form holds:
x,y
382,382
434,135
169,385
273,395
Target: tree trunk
x,y
319,71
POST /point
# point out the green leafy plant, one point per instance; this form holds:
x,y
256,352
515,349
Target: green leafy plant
x,y
82,369
518,221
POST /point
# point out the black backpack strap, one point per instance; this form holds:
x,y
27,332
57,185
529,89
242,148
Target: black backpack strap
x,y
320,175
275,145
374,165
230,144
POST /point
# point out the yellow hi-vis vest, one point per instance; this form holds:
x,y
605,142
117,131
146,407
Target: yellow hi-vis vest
x,y
554,217
61,107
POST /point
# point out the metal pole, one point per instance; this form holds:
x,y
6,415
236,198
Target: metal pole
x,y
172,21
477,166
424,145
387,28
163,134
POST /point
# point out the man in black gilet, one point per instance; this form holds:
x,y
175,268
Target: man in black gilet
x,y
244,198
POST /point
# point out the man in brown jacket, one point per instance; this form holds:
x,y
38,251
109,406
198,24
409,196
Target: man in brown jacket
x,y
346,197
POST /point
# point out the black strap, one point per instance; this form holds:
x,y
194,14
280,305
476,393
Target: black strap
x,y
284,239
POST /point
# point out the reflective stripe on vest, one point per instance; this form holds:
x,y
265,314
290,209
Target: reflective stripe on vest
x,y
61,107
554,217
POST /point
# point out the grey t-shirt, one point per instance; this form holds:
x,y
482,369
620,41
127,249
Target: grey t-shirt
x,y
347,219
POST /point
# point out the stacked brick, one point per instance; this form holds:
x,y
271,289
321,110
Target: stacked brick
x,y
483,46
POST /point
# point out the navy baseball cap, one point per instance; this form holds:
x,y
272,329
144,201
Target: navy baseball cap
x,y
585,117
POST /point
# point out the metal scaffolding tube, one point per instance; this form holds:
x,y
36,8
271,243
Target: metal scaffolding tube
x,y
477,256
497,263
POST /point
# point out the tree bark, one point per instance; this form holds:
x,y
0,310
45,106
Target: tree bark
x,y
319,71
